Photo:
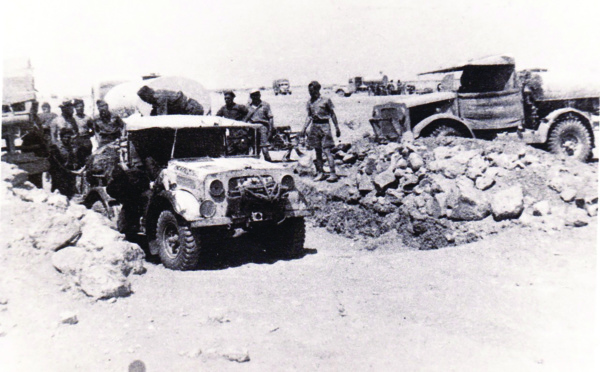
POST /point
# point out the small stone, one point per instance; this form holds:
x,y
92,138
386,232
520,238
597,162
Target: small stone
x,y
384,180
69,318
236,355
365,184
350,158
591,209
370,165
507,204
402,163
568,194
484,182
541,208
576,217
415,161
3,301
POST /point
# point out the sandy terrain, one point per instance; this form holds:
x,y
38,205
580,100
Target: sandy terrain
x,y
520,301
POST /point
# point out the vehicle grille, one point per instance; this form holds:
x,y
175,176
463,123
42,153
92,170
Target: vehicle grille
x,y
259,186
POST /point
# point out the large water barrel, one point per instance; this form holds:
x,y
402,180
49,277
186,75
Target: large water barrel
x,y
123,98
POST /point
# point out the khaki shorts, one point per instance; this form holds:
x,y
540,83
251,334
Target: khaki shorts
x,y
319,136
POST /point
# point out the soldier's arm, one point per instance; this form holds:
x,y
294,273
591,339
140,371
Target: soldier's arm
x,y
334,119
307,121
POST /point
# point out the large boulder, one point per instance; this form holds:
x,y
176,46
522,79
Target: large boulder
x,y
54,231
466,203
508,203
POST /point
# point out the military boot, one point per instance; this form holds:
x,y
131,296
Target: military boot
x,y
333,177
320,172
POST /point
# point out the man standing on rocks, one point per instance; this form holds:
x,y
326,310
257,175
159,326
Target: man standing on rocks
x,y
238,142
259,112
320,110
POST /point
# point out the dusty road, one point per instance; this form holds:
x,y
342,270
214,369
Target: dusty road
x,y
520,301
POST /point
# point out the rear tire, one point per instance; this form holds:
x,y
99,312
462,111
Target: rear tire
x,y
178,246
570,138
340,93
446,131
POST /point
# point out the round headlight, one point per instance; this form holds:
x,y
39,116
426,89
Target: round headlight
x,y
216,188
208,208
288,182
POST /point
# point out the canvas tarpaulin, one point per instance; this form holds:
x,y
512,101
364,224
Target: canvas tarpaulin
x,y
17,84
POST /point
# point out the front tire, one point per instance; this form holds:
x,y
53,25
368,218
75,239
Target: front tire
x,y
178,247
288,238
570,138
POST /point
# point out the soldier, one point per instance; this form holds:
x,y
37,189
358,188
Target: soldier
x,y
259,112
320,110
239,138
168,102
63,131
107,127
83,142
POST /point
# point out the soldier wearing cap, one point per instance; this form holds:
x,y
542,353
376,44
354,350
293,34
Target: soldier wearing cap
x,y
259,112
319,111
238,141
108,127
84,127
63,131
168,102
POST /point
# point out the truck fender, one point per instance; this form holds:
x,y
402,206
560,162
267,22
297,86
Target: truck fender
x,y
548,121
441,117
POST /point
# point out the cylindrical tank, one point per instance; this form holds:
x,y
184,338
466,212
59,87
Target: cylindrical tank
x,y
123,98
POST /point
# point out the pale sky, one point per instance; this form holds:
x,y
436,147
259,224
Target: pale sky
x,y
236,44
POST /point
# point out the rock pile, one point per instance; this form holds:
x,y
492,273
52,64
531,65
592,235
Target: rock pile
x,y
445,191
93,258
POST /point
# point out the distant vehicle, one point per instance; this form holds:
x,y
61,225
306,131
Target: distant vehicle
x,y
362,84
196,194
281,86
23,138
493,99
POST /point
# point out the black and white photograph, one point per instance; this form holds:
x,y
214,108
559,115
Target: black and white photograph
x,y
284,185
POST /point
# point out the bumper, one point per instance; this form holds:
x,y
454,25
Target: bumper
x,y
226,221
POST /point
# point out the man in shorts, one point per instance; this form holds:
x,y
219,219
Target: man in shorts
x,y
259,112
320,110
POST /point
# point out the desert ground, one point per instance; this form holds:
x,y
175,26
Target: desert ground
x,y
520,297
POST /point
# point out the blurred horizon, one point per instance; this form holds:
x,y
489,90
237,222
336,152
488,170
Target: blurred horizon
x,y
237,45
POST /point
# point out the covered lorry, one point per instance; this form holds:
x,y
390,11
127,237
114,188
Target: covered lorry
x,y
494,99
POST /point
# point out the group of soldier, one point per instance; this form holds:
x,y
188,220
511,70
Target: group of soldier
x,y
72,136
316,130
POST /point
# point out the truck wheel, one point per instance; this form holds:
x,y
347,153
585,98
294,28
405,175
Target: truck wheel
x,y
288,239
570,137
445,131
340,93
178,249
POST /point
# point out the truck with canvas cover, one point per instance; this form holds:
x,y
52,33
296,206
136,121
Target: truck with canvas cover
x,y
178,185
23,140
494,99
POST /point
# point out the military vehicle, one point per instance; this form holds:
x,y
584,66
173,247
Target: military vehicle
x,y
22,135
281,86
361,84
178,186
494,100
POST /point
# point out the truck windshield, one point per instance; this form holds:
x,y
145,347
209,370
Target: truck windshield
x,y
189,143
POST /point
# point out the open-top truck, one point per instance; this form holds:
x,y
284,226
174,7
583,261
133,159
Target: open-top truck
x,y
173,179
494,99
